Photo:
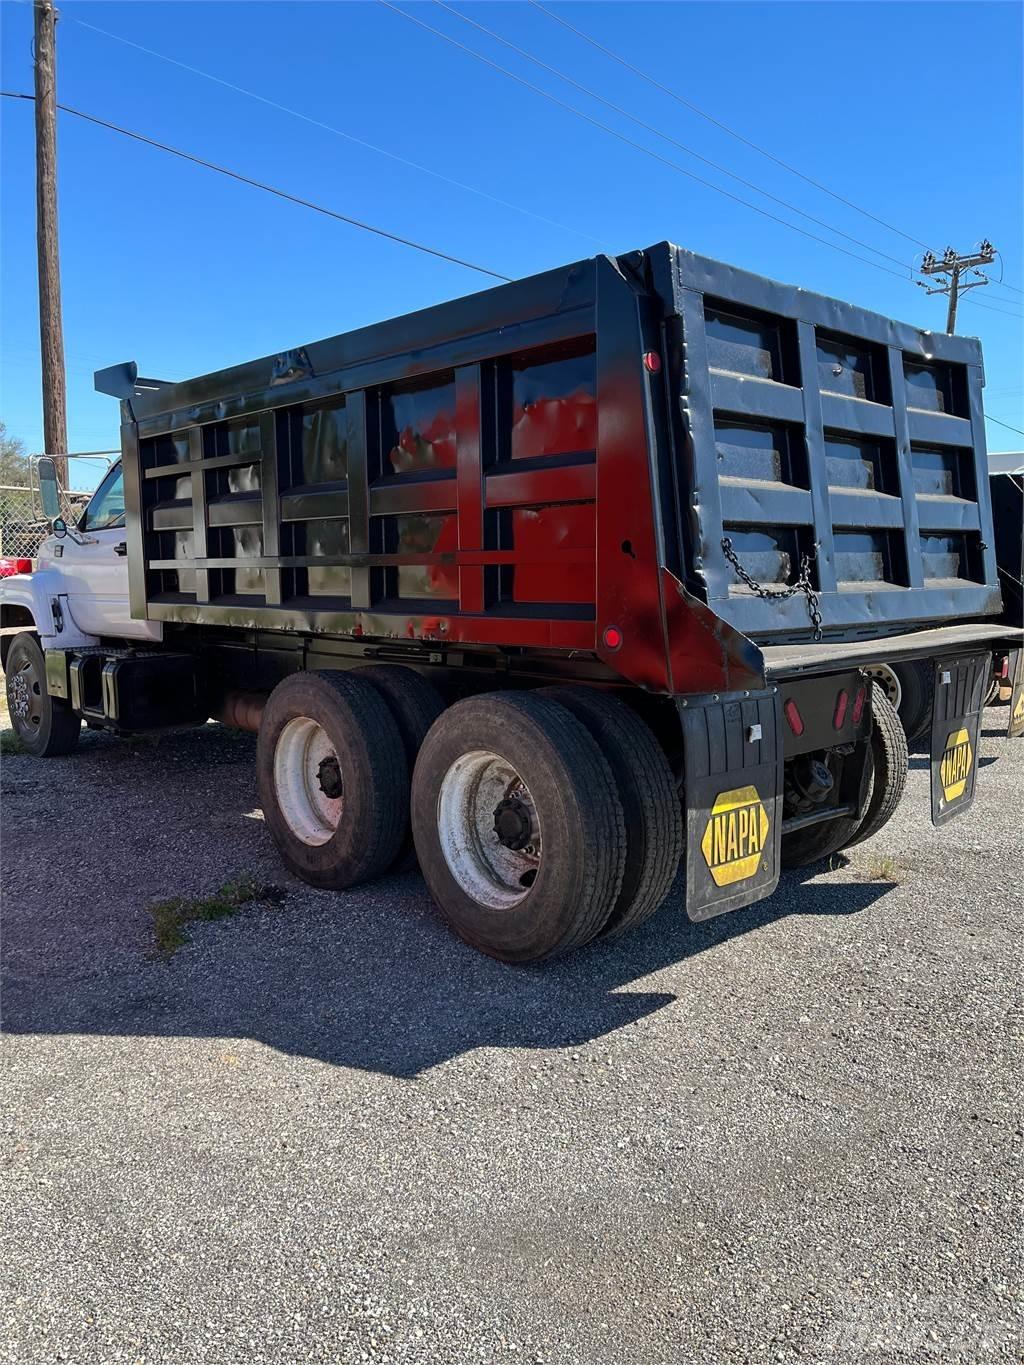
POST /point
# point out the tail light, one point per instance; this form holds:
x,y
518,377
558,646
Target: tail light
x,y
858,703
9,566
839,714
793,716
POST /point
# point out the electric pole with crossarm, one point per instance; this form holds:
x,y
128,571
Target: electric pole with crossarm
x,y
950,268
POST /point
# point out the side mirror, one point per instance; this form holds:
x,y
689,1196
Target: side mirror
x,y
59,527
49,494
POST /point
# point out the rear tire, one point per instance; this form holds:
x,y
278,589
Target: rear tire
x,y
45,726
650,802
917,687
518,826
414,704
817,842
889,767
333,780
887,756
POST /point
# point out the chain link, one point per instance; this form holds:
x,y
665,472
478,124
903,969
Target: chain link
x,y
802,584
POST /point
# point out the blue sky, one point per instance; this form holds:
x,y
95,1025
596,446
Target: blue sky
x,y
186,271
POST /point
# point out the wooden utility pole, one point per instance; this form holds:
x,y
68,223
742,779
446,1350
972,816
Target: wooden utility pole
x,y
950,268
51,327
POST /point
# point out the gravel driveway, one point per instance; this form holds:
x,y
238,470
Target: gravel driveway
x,y
325,1130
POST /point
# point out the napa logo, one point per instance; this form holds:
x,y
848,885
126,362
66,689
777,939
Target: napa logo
x,y
1018,710
735,836
957,759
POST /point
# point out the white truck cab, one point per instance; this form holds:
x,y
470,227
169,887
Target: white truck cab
x,y
79,588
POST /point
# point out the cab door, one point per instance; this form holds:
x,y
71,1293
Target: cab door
x,y
94,567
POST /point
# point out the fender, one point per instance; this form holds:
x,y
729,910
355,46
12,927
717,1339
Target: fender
x,y
42,595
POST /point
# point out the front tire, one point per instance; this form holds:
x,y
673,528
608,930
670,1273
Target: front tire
x,y
45,726
518,826
333,780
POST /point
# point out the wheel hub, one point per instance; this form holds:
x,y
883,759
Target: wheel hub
x,y
328,775
812,779
489,829
513,823
18,693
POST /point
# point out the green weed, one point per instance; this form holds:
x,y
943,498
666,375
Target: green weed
x,y
171,916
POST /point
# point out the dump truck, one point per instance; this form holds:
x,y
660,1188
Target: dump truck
x,y
554,590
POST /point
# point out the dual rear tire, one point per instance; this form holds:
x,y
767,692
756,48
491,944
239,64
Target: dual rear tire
x,y
539,819
887,761
544,819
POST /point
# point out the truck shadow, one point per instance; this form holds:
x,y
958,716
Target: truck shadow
x,y
370,979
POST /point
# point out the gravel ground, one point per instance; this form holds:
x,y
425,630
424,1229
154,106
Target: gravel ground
x,y
325,1130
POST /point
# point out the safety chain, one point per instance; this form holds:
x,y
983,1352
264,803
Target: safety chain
x,y
802,584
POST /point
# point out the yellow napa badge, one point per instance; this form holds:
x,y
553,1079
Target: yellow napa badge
x,y
1018,710
957,758
735,835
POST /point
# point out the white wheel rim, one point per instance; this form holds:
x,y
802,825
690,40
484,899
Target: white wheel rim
x,y
487,869
888,680
303,749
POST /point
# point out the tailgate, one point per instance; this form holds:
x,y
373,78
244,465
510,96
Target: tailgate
x,y
818,434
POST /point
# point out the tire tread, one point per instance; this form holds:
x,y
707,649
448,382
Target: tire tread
x,y
650,802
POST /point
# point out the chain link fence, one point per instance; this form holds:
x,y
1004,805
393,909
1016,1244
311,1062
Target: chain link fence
x,y
23,527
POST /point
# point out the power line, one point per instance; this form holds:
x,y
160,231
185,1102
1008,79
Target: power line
x,y
667,137
638,146
725,128
1000,423
338,132
991,307
270,189
710,118
483,193
763,151
353,222
647,150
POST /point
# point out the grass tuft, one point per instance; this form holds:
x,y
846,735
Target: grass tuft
x,y
884,869
171,916
10,743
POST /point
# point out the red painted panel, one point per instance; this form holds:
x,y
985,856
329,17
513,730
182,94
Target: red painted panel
x,y
573,483
536,531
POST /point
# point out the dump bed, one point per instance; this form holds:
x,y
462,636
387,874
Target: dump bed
x,y
812,427
628,457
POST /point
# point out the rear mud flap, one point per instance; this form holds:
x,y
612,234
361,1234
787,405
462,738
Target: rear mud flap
x,y
732,800
960,686
1015,725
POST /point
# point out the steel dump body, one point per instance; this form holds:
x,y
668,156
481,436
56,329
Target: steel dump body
x,y
555,464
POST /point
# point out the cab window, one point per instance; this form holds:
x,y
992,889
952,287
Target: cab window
x,y
106,506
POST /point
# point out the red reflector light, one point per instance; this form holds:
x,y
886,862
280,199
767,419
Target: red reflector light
x,y
793,716
612,637
1004,672
858,703
839,715
10,566
652,362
